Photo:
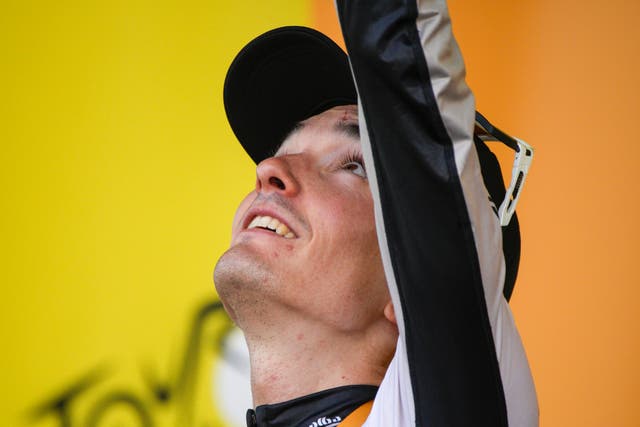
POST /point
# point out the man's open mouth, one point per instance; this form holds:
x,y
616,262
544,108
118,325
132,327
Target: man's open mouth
x,y
272,224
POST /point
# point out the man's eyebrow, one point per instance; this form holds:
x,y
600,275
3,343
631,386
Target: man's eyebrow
x,y
296,128
348,128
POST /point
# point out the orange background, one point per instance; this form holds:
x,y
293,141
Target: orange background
x,y
563,75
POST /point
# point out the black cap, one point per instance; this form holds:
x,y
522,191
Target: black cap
x,y
289,74
281,78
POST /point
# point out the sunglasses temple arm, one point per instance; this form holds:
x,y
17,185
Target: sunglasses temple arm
x,y
521,164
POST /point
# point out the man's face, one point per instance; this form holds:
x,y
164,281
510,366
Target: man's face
x,y
304,241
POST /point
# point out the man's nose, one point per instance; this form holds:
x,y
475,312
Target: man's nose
x,y
274,174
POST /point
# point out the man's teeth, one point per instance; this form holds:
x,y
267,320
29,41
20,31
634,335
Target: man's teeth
x,y
272,224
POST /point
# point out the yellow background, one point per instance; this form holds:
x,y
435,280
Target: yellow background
x,y
119,178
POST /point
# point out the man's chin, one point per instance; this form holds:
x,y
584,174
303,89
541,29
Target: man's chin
x,y
241,278
238,267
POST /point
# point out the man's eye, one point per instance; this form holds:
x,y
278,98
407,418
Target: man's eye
x,y
356,167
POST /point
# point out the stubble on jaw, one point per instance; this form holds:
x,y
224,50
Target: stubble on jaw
x,y
241,279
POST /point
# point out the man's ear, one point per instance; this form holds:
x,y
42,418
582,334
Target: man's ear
x,y
390,313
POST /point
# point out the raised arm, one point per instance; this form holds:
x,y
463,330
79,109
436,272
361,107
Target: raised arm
x,y
459,360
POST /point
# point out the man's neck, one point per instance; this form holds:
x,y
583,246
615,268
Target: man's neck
x,y
300,360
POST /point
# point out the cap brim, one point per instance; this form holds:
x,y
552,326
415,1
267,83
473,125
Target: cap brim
x,y
280,78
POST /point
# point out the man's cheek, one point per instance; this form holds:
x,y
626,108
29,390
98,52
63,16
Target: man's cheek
x,y
240,212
